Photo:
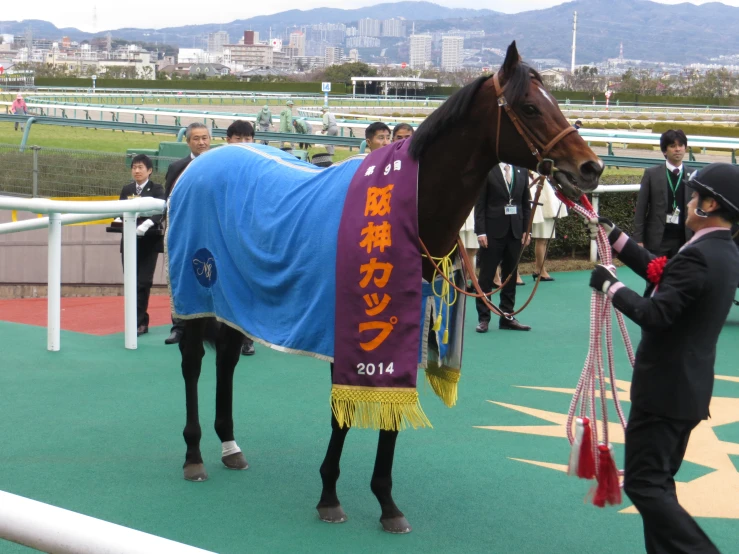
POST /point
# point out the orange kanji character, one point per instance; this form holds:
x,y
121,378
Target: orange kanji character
x,y
376,236
385,329
378,200
375,304
369,269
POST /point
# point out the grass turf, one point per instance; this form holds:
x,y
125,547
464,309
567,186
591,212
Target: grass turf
x,y
97,429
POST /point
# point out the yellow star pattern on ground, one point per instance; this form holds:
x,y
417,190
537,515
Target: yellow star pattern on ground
x,y
715,494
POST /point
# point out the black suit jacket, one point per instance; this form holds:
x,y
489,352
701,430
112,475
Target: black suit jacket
x,y
155,191
173,171
490,218
651,206
681,322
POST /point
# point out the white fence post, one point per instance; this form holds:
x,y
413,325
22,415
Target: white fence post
x,y
54,287
129,279
593,245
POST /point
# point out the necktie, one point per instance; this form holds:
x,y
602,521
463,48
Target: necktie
x,y
138,190
676,173
508,174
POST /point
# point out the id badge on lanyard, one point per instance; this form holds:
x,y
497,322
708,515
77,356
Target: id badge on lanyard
x,y
511,209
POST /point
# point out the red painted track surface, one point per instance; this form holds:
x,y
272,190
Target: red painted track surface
x,y
90,315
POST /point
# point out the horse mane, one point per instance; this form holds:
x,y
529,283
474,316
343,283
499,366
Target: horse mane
x,y
457,106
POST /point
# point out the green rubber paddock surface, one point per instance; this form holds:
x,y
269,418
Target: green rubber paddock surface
x,y
97,429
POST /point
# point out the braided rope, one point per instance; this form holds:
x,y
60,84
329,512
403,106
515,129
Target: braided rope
x,y
592,380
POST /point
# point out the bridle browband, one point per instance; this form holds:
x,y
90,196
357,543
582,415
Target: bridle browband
x,y
545,168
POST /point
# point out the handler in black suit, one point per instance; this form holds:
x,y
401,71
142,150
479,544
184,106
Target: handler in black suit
x,y
148,244
659,220
681,318
198,139
501,217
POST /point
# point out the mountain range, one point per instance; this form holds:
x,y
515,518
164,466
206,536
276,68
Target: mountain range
x,y
680,33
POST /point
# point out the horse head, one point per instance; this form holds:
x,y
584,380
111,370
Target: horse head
x,y
530,126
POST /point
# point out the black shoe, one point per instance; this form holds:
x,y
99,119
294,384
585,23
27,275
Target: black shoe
x,y
482,327
141,330
174,338
513,325
522,283
247,349
536,275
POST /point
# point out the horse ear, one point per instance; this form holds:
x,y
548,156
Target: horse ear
x,y
511,59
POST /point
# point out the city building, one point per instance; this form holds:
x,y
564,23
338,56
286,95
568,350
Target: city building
x,y
420,51
216,42
369,27
451,53
297,42
251,37
362,42
393,28
353,55
333,55
248,55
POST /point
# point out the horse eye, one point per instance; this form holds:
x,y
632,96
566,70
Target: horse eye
x,y
529,109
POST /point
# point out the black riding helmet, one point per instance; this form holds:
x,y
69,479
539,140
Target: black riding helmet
x,y
721,182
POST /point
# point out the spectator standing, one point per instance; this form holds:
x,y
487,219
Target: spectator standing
x,y
659,220
286,120
377,135
501,217
542,230
264,121
402,131
330,128
149,239
198,139
19,108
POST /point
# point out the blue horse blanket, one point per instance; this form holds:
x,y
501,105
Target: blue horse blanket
x,y
251,240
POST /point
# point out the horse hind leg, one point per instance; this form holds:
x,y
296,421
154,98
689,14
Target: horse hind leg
x,y
329,508
228,352
192,351
392,519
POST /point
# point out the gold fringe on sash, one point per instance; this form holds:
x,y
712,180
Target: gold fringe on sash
x,y
444,383
385,408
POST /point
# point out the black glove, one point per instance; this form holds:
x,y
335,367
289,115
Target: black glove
x,y
602,278
609,227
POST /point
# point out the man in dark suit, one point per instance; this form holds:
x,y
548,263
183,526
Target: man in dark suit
x,y
681,316
149,240
501,222
659,221
198,139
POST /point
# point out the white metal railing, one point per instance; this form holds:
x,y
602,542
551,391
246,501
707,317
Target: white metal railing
x,y
63,213
59,531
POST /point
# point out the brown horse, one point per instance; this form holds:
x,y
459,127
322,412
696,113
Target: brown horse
x,y
456,147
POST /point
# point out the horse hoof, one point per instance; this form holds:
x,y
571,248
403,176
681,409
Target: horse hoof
x,y
235,461
331,514
396,525
195,472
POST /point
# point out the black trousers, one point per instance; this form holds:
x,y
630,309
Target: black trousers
x,y
655,447
146,263
669,246
503,252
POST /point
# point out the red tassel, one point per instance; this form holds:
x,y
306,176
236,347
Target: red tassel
x,y
608,490
586,463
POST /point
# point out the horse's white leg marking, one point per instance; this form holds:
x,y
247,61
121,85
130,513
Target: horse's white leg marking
x,y
230,447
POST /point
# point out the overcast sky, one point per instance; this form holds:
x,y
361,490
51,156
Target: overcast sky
x,y
152,14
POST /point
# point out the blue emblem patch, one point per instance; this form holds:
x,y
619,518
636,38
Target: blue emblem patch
x,y
205,268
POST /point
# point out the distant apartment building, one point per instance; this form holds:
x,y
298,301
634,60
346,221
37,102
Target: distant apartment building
x,y
333,55
216,42
369,27
353,55
393,28
451,53
251,37
420,51
297,42
330,33
352,32
362,42
306,63
249,55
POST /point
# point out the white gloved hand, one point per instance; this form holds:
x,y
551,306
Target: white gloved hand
x,y
145,226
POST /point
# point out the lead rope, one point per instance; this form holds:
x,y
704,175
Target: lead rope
x,y
591,456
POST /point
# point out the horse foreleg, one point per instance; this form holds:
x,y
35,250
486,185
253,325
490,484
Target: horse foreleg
x,y
228,352
329,508
192,351
392,519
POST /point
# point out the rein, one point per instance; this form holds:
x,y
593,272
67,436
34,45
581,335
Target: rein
x,y
545,168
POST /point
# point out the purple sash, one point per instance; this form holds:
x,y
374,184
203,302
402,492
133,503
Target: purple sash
x,y
378,296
